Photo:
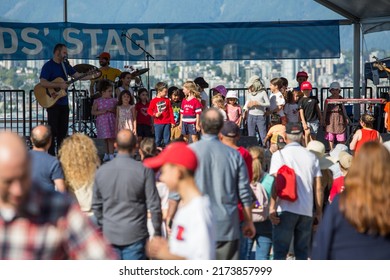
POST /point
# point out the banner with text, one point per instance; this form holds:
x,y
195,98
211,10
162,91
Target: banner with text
x,y
172,42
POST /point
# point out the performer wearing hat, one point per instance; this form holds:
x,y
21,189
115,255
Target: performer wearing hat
x,y
108,73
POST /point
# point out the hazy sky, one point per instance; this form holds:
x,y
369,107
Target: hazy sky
x,y
164,11
173,11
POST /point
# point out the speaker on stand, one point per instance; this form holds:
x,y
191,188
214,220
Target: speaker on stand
x,y
83,121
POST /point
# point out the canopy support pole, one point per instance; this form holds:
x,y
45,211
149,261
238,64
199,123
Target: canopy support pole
x,y
356,68
65,10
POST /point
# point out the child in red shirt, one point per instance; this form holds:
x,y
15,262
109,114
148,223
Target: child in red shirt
x,y
345,161
190,111
160,109
144,121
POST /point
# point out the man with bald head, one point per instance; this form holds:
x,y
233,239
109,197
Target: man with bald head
x,y
14,173
45,168
37,223
123,192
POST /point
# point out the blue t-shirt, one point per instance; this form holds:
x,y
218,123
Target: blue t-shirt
x,y
45,169
52,70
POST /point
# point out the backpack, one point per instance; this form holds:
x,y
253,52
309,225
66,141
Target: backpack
x,y
260,208
286,182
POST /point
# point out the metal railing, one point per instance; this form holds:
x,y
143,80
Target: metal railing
x,y
20,112
13,112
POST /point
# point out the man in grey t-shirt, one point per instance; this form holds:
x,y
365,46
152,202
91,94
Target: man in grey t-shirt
x,y
124,190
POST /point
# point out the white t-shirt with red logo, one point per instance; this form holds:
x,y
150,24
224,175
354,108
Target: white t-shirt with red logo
x,y
193,234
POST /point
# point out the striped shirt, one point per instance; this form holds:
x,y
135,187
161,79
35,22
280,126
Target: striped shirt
x,y
189,110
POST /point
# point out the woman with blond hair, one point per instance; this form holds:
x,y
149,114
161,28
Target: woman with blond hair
x,y
191,108
356,225
79,160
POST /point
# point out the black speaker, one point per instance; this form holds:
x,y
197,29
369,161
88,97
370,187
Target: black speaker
x,y
385,137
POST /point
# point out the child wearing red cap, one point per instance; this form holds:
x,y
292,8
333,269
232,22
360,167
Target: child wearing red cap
x,y
192,234
301,77
309,112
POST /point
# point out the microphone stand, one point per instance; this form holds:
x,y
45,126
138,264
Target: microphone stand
x,y
146,53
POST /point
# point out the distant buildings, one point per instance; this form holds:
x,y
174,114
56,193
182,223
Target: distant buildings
x,y
230,73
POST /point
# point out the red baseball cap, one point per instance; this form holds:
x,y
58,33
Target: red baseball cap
x,y
105,55
302,74
306,86
177,153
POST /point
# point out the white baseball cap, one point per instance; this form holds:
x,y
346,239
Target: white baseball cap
x,y
232,94
335,85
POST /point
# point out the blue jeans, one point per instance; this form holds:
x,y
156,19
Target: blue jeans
x,y
291,225
243,246
263,239
261,124
162,132
135,251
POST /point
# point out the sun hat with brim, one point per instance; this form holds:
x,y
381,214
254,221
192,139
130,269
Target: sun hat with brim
x,y
318,148
336,151
252,80
221,89
232,94
345,159
334,85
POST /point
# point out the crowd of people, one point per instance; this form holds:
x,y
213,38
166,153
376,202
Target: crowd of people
x,y
192,192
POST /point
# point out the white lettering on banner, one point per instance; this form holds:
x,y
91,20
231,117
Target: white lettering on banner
x,y
94,44
130,45
153,42
29,39
117,45
14,41
72,40
34,41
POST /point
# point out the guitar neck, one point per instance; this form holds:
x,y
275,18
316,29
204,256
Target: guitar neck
x,y
76,79
381,66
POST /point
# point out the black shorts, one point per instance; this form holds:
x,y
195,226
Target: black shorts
x,y
144,130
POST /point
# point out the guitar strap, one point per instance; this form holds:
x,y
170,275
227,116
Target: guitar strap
x,y
64,69
65,72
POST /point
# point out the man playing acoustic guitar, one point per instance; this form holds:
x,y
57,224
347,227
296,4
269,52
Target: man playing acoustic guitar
x,y
54,76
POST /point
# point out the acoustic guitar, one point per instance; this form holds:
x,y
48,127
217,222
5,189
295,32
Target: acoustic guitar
x,y
47,97
380,65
